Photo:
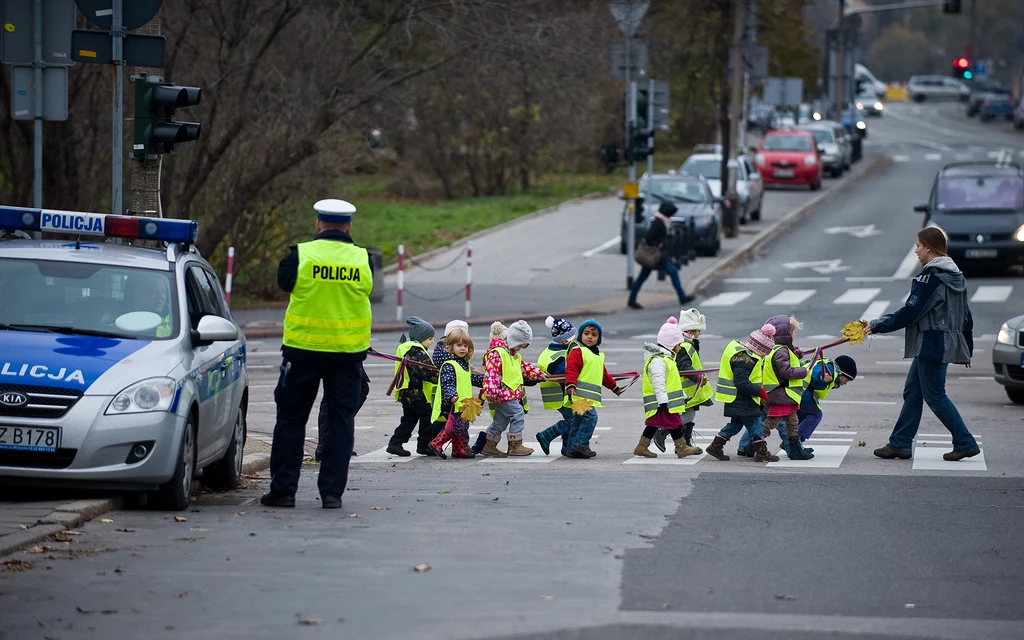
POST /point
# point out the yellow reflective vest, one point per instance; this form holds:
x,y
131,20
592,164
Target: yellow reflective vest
x,y
725,390
428,387
329,309
551,393
673,386
511,374
589,382
764,374
463,387
821,394
697,395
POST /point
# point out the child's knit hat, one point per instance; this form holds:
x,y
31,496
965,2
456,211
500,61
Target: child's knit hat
x,y
761,341
519,334
498,331
456,324
561,329
419,329
691,319
670,335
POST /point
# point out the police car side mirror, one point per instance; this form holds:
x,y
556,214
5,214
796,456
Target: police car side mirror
x,y
921,208
214,329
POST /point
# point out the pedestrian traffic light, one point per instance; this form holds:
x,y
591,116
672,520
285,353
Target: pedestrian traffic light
x,y
951,6
156,131
641,108
641,143
962,68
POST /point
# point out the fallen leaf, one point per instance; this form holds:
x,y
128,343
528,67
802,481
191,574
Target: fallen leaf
x,y
70,533
16,565
310,622
354,515
379,508
23,526
35,549
485,474
106,520
119,570
784,597
441,493
182,594
252,534
239,514
180,518
197,529
420,568
109,612
547,598
189,539
352,489
101,573
125,530
494,499
862,444
85,611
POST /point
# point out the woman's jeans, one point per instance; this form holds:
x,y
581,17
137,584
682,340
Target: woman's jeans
x,y
673,274
926,382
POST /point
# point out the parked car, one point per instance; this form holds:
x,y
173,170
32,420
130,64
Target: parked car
x,y
1018,115
980,206
869,104
979,90
921,88
834,153
995,105
1008,358
782,120
789,157
699,212
855,122
749,185
846,140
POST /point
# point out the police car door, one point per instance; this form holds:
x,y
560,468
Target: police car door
x,y
209,368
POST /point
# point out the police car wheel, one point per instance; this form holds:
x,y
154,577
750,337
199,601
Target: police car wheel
x,y
226,473
176,494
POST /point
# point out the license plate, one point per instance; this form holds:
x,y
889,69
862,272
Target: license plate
x,y
981,253
44,439
783,173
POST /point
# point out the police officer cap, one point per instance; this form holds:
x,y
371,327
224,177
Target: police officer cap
x,y
332,210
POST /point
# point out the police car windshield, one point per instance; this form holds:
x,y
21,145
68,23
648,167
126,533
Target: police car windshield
x,y
87,299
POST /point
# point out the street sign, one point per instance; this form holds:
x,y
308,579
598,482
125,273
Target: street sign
x,y
631,190
134,13
17,38
784,92
628,15
755,61
661,103
98,47
638,55
980,68
23,93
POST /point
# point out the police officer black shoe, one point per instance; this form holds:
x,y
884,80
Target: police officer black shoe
x,y
272,499
330,502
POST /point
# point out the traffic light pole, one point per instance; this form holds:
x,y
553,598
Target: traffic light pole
x,y
650,125
37,144
630,219
117,33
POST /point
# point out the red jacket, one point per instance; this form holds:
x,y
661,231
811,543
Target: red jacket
x,y
573,365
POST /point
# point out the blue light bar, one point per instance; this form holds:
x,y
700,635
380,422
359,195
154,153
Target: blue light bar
x,y
98,224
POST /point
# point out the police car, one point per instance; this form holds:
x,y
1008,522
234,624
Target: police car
x,y
120,366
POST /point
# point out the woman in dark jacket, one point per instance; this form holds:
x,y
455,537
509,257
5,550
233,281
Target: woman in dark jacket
x,y
939,332
656,232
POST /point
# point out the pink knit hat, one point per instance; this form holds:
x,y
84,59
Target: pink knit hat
x,y
761,341
670,334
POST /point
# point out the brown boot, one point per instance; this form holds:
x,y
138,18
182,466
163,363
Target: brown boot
x,y
716,449
761,452
683,449
644,449
491,449
515,446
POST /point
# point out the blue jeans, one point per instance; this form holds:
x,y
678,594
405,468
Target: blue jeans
x,y
737,424
561,428
926,382
673,274
581,429
810,417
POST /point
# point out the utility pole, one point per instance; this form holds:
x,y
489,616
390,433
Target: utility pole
x,y
117,181
37,77
146,168
731,223
627,151
840,62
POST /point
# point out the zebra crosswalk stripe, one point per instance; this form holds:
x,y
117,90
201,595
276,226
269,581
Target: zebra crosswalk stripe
x,y
790,296
992,293
857,296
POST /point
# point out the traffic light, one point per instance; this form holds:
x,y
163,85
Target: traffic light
x,y
641,108
640,143
156,131
962,68
951,6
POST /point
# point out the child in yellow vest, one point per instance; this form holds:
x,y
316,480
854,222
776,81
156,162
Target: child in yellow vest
x,y
782,378
585,375
663,395
698,390
505,377
455,385
416,390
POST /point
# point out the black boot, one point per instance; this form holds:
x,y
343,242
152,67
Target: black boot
x,y
688,434
797,452
659,439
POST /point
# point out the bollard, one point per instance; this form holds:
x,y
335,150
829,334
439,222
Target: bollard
x,y
231,269
469,275
401,281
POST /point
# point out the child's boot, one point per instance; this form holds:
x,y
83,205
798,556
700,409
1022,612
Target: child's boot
x,y
491,447
515,446
545,437
688,434
717,449
683,449
761,453
437,445
659,439
481,440
459,449
796,452
643,449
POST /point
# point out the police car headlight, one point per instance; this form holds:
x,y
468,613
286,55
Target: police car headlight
x,y
154,394
1005,335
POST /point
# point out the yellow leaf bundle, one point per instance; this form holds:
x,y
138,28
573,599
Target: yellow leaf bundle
x,y
581,405
470,409
854,331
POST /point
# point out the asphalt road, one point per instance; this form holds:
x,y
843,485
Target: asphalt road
x,y
843,546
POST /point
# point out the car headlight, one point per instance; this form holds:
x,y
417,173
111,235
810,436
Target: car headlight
x,y
759,158
861,125
153,394
879,106
1005,335
810,161
816,115
1020,234
860,105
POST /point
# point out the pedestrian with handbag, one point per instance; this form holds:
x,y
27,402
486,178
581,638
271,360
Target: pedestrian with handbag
x,y
650,256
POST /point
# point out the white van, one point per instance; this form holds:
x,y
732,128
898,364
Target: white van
x,y
867,82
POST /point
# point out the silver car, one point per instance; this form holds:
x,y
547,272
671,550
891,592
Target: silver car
x,y
120,366
921,88
1008,358
749,186
833,145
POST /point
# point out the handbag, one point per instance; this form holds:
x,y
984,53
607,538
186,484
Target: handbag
x,y
647,256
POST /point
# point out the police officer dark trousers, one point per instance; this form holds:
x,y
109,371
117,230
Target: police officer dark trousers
x,y
326,335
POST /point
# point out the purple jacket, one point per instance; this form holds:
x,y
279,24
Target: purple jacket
x,y
780,361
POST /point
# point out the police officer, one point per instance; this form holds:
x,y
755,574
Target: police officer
x,y
326,335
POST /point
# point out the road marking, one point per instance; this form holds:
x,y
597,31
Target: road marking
x,y
790,296
834,433
864,231
992,293
986,337
994,154
948,442
908,266
879,402
823,267
537,458
809,279
602,428
666,459
727,299
964,156
813,440
930,459
875,310
870,279
821,336
382,455
933,156
642,336
826,456
747,280
897,363
601,247
857,296
898,158
364,428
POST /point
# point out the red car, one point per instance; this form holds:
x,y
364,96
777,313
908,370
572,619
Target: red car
x,y
789,157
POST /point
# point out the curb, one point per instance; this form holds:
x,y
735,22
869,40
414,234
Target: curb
x,y
255,462
695,285
63,517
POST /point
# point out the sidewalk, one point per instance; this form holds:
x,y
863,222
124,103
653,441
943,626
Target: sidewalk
x,y
563,263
